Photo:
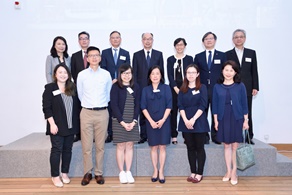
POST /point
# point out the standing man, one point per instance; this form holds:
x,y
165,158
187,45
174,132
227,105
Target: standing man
x,y
210,64
247,60
112,59
142,61
79,63
93,86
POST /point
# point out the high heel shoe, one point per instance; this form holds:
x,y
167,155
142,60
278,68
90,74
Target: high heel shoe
x,y
154,179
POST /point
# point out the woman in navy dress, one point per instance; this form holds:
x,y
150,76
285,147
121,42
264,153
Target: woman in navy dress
x,y
156,104
125,104
193,123
230,115
176,66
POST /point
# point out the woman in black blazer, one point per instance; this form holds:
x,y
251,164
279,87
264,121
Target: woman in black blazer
x,y
60,108
176,66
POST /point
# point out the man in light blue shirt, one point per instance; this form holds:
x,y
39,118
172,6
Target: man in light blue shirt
x,y
93,87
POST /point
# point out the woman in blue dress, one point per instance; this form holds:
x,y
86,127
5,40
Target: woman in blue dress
x,y
230,115
156,104
193,123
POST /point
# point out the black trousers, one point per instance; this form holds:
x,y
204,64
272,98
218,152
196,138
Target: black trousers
x,y
110,125
61,148
142,123
196,151
213,131
173,114
249,104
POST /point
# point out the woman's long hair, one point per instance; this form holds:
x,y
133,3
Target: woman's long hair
x,y
70,88
185,86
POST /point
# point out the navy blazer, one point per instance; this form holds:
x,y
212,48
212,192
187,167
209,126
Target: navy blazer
x,y
210,77
108,63
77,64
118,97
187,60
140,66
53,106
248,68
238,98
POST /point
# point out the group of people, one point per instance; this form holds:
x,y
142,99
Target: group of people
x,y
99,97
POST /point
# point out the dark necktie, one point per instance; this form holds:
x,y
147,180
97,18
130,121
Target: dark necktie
x,y
85,60
210,59
148,58
115,56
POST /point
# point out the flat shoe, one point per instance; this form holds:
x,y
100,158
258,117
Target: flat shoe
x,y
197,181
65,180
57,184
225,179
190,179
234,182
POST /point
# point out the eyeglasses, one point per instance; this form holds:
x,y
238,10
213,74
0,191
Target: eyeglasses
x,y
208,39
83,39
149,39
239,37
93,55
126,73
191,72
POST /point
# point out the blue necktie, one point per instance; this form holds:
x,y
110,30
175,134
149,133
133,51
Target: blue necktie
x,y
148,58
115,56
210,59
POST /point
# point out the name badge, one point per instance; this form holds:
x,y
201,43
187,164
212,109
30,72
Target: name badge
x,y
122,57
56,92
156,90
130,90
217,61
194,92
248,59
175,65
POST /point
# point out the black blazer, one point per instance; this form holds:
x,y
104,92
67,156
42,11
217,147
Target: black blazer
x,y
210,77
140,66
77,64
53,106
248,68
118,100
107,61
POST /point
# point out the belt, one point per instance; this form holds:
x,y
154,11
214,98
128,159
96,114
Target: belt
x,y
96,108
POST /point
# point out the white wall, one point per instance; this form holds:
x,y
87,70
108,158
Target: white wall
x,y
27,35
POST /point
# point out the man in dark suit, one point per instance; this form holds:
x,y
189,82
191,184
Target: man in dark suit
x,y
79,63
112,59
210,64
142,61
247,60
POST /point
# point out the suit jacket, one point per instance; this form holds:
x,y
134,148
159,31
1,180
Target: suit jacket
x,y
107,61
140,66
77,64
51,63
248,68
210,77
53,106
187,60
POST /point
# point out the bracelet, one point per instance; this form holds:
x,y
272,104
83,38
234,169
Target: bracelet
x,y
135,121
246,119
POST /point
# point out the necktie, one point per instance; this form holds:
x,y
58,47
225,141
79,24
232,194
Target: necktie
x,y
85,60
148,58
115,56
210,59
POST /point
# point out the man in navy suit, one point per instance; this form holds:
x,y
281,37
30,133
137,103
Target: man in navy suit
x,y
210,64
247,60
112,59
79,63
142,61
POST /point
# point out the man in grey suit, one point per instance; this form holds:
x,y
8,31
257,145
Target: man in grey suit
x,y
79,63
247,60
142,61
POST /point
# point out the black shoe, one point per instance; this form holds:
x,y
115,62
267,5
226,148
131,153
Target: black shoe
x,y
142,140
76,138
250,142
109,139
216,142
